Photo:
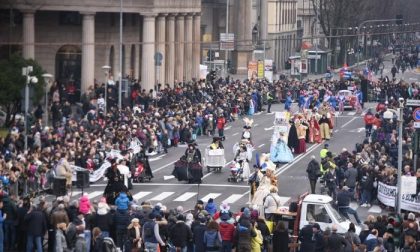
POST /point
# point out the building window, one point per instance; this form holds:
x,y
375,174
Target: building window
x,y
134,19
70,18
112,19
10,17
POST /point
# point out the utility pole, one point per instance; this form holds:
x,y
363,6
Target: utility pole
x,y
227,32
400,139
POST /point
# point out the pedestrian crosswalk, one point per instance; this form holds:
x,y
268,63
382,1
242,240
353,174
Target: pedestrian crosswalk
x,y
172,196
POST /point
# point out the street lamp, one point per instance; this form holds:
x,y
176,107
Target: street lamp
x,y
106,71
26,71
47,79
400,139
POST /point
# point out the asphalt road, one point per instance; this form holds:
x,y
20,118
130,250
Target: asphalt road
x,y
349,130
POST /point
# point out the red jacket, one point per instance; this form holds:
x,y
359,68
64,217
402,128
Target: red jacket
x,y
227,231
221,122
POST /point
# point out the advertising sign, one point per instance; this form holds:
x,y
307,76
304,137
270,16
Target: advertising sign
x,y
268,70
252,69
260,69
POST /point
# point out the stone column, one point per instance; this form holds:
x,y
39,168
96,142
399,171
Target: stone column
x,y
244,35
179,48
148,77
188,47
170,50
161,46
88,51
28,34
127,60
196,46
137,62
264,19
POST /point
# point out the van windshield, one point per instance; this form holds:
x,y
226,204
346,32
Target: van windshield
x,y
339,217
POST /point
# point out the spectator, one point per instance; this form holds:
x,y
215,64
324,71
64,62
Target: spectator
x,y
314,171
150,234
134,235
198,234
121,221
180,234
371,240
305,238
335,242
244,232
227,232
256,241
60,238
103,219
81,244
37,226
280,238
211,207
212,237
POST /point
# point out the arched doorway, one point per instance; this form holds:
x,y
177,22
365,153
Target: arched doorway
x,y
68,62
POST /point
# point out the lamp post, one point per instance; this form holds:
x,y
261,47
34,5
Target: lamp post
x,y
47,78
400,138
106,71
26,71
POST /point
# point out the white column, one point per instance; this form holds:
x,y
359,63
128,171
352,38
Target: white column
x,y
88,51
179,51
148,51
28,34
160,45
127,60
170,52
188,47
196,46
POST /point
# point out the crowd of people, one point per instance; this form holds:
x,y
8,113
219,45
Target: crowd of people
x,y
164,118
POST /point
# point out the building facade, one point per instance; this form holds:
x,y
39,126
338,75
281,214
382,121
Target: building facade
x,y
259,25
73,39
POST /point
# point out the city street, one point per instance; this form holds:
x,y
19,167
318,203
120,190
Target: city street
x,y
292,178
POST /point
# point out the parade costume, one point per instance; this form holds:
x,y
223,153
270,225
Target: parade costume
x,y
115,184
189,167
281,153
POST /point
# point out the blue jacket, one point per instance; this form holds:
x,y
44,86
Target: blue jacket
x,y
371,242
122,201
211,208
288,103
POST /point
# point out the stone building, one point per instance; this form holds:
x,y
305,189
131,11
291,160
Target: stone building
x,y
73,39
254,23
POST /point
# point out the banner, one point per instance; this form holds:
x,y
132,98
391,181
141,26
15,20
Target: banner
x,y
252,69
387,195
260,69
268,70
304,66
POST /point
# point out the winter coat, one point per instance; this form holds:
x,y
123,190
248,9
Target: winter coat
x,y
351,177
60,241
336,243
305,237
227,231
180,234
313,170
36,223
256,241
84,204
371,242
122,201
211,208
198,237
280,241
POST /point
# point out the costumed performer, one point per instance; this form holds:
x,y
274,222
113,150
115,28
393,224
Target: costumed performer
x,y
292,139
142,159
189,167
268,180
242,156
280,152
246,134
314,133
288,102
324,127
216,144
115,183
301,133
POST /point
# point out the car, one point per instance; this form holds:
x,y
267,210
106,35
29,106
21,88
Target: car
x,y
350,99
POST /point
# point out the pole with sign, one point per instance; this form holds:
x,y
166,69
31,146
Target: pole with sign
x,y
416,117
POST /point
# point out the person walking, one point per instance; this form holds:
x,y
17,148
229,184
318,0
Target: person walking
x,y
314,171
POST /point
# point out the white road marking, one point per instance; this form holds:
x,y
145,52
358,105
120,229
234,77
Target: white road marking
x,y
375,209
162,196
140,195
228,127
181,184
255,125
297,159
234,134
347,123
232,198
163,167
261,145
156,158
270,128
351,113
210,196
76,193
168,177
186,196
94,194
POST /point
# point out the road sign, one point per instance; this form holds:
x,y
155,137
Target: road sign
x,y
158,59
413,103
417,125
416,114
227,41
